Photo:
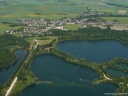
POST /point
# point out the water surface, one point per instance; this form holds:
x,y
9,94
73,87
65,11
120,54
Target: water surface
x,y
123,65
67,79
116,73
57,90
7,72
53,68
95,51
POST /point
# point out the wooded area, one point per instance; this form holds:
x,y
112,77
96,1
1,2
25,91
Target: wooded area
x,y
7,42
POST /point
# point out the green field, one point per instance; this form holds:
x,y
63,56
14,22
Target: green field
x,y
55,9
123,20
4,27
47,40
51,9
71,27
44,42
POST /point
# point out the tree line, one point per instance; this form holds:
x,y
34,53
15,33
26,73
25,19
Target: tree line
x,y
93,33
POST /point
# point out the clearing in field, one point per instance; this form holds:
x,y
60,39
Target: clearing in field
x,y
122,12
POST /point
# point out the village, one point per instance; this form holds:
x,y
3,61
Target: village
x,y
89,18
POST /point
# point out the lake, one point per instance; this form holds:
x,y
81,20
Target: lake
x,y
56,69
7,72
94,51
116,73
66,79
123,65
63,90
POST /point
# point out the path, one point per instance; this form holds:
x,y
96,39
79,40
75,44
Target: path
x,y
11,87
36,44
106,77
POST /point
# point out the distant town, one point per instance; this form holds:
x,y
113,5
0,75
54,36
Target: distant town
x,y
89,18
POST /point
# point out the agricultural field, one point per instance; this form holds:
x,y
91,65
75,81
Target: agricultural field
x,y
11,10
55,9
123,20
4,27
44,42
71,27
31,39
122,12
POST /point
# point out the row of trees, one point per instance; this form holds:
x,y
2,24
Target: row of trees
x,y
93,33
13,24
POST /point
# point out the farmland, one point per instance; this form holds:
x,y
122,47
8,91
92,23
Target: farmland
x,y
123,20
4,27
71,27
55,9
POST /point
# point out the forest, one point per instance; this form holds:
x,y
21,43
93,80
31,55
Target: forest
x,y
8,43
93,33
